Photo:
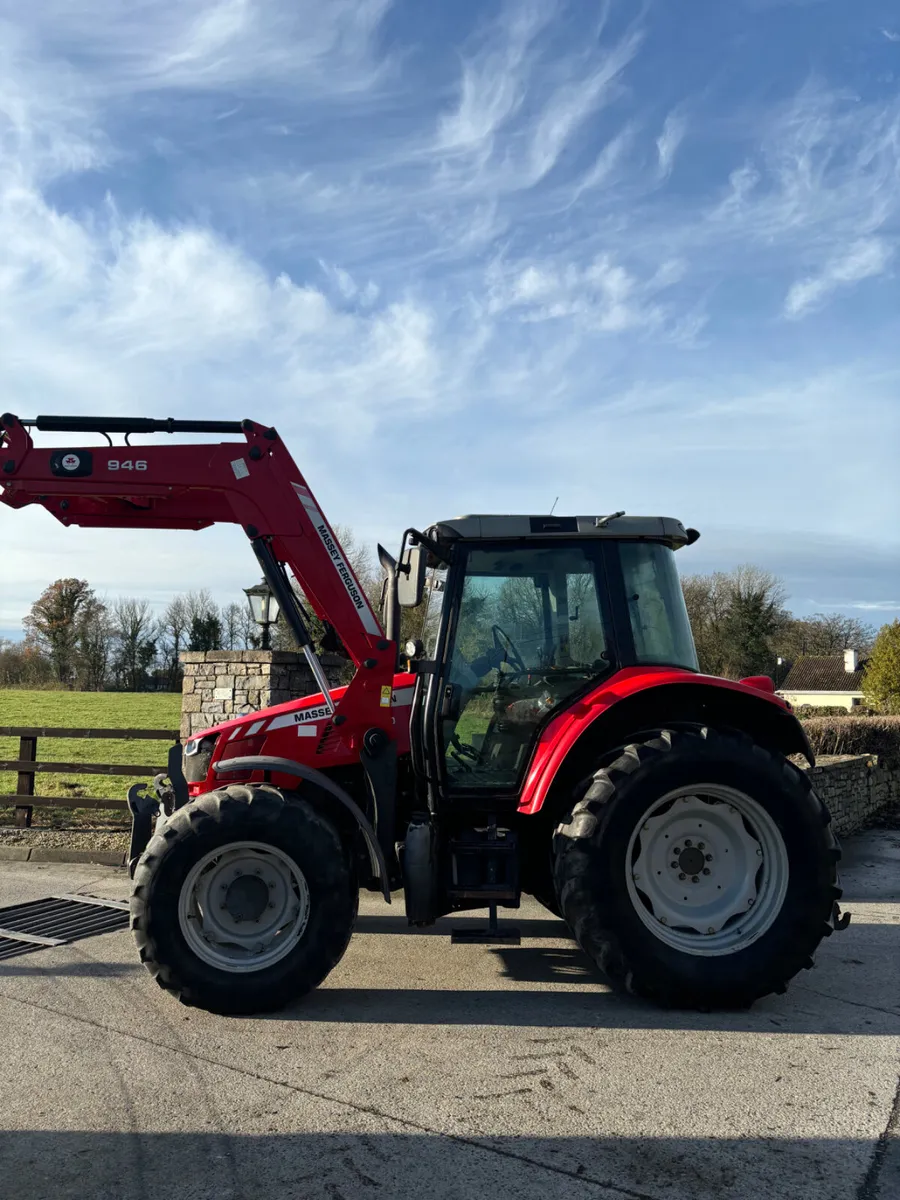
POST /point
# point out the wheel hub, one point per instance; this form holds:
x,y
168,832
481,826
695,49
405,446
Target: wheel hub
x,y
708,869
244,906
691,861
246,898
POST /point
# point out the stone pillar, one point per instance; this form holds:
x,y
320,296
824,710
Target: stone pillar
x,y
221,684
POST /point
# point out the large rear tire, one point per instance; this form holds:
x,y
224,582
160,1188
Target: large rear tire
x,y
244,900
698,870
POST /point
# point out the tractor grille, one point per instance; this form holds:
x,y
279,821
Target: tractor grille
x,y
328,739
56,921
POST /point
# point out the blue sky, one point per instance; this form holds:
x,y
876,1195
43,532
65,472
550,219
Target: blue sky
x,y
469,257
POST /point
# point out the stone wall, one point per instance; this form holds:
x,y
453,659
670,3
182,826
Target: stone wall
x,y
221,684
855,789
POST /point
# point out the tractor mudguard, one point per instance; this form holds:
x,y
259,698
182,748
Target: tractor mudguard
x,y
286,766
642,698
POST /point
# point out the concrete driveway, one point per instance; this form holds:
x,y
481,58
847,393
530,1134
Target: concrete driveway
x,y
425,1069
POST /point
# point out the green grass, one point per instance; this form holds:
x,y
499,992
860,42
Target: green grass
x,y
83,710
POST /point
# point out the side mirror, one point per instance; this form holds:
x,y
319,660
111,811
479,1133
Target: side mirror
x,y
411,576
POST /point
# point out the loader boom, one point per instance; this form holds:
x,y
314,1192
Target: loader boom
x,y
253,483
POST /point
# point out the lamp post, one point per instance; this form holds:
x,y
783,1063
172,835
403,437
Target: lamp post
x,y
264,608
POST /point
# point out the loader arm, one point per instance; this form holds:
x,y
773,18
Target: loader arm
x,y
252,482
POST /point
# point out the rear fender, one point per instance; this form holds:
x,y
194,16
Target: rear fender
x,y
588,736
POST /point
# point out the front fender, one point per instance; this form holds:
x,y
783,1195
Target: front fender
x,y
637,700
286,766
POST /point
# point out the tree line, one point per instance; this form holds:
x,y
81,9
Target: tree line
x,y
75,639
742,626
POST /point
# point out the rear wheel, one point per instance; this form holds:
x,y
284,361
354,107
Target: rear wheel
x,y
244,900
698,869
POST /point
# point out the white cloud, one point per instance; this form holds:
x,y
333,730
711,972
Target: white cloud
x,y
601,296
515,118
573,103
255,47
864,260
494,80
891,35
673,131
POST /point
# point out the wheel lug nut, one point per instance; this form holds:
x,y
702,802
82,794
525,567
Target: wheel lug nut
x,y
674,866
695,879
750,902
663,921
688,842
681,875
706,870
701,845
709,858
710,930
677,850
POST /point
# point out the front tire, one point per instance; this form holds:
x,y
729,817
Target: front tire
x,y
244,900
698,870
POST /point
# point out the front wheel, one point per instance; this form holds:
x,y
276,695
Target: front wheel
x,y
244,900
698,869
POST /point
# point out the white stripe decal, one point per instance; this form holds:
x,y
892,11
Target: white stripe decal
x,y
307,731
255,728
238,729
354,591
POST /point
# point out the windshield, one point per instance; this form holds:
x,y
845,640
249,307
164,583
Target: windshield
x,y
656,609
531,629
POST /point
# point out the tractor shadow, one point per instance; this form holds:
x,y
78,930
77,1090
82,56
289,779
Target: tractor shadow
x,y
853,990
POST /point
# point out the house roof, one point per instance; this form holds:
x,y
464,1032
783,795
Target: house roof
x,y
825,674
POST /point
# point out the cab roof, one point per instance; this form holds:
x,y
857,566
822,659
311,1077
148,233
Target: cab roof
x,y
497,527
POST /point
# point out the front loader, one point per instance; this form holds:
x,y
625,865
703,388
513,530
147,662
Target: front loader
x,y
550,734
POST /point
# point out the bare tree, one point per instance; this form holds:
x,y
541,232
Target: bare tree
x,y
825,634
135,636
737,618
231,626
95,640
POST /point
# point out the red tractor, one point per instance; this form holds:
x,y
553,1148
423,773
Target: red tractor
x,y
553,736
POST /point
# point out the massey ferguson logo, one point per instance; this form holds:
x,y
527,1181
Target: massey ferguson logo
x,y
311,714
342,568
71,462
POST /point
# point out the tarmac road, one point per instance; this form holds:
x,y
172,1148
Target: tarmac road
x,y
425,1069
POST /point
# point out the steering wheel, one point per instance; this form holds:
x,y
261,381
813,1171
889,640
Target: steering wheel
x,y
515,656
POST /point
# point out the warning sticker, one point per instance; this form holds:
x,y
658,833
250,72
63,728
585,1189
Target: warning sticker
x,y
240,468
386,695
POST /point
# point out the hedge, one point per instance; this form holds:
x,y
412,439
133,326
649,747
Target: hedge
x,y
855,735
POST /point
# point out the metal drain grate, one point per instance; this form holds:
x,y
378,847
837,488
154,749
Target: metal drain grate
x,y
56,920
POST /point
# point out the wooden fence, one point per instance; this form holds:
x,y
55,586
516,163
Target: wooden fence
x,y
27,766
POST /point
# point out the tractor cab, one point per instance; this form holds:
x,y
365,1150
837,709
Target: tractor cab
x,y
523,615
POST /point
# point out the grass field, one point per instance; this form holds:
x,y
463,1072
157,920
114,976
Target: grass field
x,y
82,710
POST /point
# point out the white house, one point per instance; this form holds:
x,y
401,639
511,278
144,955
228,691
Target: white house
x,y
832,681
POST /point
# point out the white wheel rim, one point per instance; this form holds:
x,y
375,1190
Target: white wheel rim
x,y
738,870
243,906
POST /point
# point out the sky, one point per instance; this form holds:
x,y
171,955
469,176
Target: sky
x,y
468,256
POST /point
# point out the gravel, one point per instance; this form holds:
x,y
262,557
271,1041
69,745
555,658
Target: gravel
x,y
72,839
